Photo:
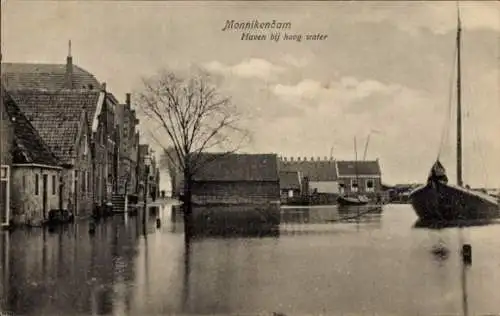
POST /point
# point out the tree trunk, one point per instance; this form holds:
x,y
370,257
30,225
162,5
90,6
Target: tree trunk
x,y
188,204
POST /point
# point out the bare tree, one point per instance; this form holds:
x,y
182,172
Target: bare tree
x,y
194,117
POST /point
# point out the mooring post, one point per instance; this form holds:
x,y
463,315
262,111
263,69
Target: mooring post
x,y
467,254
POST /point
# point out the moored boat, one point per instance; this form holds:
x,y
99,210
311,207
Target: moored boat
x,y
354,200
439,200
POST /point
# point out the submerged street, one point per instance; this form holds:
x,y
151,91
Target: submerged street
x,y
316,265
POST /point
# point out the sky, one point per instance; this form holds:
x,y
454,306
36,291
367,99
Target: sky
x,y
385,69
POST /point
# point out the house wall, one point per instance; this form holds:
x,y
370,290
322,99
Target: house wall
x,y
78,181
324,186
362,187
235,192
7,140
27,204
7,137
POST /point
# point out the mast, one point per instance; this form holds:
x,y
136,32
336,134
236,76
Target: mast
x,y
459,104
366,146
356,164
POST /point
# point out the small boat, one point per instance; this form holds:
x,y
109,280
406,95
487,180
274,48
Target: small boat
x,y
353,200
438,200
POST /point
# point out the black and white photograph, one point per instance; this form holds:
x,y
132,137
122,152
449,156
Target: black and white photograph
x,y
278,158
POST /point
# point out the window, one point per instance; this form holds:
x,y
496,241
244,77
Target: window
x,y
370,185
341,187
37,185
85,147
53,185
354,185
84,178
88,182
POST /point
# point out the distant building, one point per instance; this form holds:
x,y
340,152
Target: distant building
x,y
127,139
35,181
236,179
360,176
319,175
326,178
290,185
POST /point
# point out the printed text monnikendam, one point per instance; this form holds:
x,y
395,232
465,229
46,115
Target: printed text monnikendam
x,y
255,24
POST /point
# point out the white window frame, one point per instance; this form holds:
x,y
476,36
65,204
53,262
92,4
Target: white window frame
x,y
368,189
354,188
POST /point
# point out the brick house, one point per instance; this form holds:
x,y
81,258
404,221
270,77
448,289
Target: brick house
x,y
61,119
100,114
236,179
320,175
126,124
105,144
36,171
366,172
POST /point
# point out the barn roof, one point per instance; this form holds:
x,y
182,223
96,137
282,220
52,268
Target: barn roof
x,y
237,167
289,180
362,168
323,170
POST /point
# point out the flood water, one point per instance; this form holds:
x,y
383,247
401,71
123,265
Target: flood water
x,y
317,264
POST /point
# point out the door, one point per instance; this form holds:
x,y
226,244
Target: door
x,y
4,195
44,195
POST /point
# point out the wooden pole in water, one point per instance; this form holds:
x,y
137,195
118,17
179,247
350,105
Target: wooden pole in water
x,y
459,103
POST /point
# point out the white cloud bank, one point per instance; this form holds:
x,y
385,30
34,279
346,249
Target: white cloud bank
x,y
248,68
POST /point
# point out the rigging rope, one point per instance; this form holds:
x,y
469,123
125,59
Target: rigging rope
x,y
446,128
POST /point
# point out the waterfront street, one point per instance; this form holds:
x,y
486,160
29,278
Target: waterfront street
x,y
317,265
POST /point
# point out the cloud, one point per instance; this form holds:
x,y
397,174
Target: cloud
x,y
297,62
344,91
248,68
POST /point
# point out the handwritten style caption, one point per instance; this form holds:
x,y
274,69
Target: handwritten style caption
x,y
276,31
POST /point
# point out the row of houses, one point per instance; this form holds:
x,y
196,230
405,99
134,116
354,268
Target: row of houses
x,y
66,143
267,178
326,179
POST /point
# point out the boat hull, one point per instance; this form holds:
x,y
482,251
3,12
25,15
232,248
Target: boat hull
x,y
439,201
348,201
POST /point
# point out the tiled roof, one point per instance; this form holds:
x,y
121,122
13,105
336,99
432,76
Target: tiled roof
x,y
56,115
28,145
323,170
289,180
238,167
364,167
45,76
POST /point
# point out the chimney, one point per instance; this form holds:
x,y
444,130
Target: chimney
x,y
325,158
127,98
298,158
103,87
68,76
291,158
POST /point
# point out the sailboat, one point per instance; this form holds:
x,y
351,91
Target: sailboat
x,y
440,201
354,199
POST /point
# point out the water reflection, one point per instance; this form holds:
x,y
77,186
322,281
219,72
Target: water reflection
x,y
67,270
